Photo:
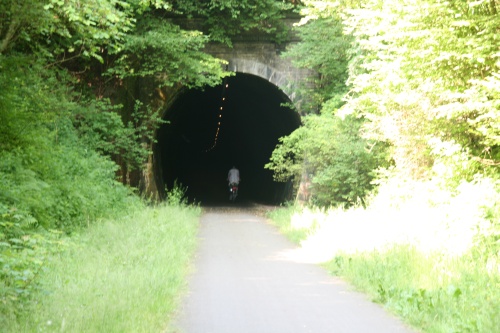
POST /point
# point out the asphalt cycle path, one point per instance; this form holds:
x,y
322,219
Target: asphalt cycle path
x,y
243,281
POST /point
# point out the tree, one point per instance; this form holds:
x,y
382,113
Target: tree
x,y
328,147
225,19
162,50
340,163
59,30
427,79
57,131
325,49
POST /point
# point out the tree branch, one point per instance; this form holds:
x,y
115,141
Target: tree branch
x,y
485,161
10,36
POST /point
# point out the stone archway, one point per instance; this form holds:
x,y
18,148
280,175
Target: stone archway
x,y
263,59
255,116
249,54
286,81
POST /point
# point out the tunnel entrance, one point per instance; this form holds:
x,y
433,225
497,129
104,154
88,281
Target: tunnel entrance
x,y
236,123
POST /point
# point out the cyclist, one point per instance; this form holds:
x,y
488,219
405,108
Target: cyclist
x,y
233,178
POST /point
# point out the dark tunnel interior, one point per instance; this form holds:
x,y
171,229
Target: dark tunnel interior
x,y
236,123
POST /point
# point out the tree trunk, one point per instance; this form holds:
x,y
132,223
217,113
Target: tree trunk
x,y
9,36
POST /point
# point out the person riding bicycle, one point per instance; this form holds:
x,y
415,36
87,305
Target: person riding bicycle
x,y
233,178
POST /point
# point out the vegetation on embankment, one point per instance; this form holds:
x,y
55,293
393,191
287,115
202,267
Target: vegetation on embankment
x,y
428,255
403,156
409,87
76,128
406,91
120,275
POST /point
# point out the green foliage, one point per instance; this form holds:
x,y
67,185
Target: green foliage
x,y
428,255
487,240
38,103
177,195
226,19
29,102
123,36
433,293
61,188
325,49
23,256
45,169
329,149
101,128
49,179
339,161
427,71
121,275
158,48
63,29
422,75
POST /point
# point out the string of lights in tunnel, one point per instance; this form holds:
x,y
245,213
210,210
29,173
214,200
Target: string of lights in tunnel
x,y
225,86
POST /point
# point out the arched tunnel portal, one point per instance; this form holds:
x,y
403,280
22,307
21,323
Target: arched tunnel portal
x,y
236,123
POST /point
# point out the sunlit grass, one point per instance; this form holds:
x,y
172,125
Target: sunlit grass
x,y
421,251
418,214
434,293
119,276
282,218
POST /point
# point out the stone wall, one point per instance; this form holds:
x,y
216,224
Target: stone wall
x,y
263,59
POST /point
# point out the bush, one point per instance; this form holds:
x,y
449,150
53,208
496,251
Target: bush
x,y
340,163
50,182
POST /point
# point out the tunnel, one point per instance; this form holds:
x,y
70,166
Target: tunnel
x,y
208,131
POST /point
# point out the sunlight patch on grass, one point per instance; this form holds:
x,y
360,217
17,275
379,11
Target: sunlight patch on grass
x,y
430,256
430,219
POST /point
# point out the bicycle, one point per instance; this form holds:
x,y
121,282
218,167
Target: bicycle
x,y
233,191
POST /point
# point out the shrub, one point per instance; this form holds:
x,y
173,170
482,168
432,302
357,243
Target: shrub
x,y
341,164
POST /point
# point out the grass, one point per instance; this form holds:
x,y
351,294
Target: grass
x,y
429,256
283,218
117,276
432,293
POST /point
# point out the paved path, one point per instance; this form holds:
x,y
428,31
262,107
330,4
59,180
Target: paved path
x,y
243,282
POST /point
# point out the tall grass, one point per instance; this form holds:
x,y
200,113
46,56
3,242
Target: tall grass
x,y
116,276
429,255
434,293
